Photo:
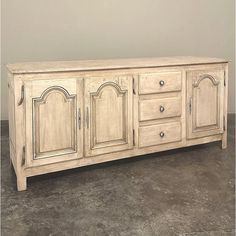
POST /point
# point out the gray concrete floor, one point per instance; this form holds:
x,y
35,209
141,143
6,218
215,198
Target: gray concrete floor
x,y
183,192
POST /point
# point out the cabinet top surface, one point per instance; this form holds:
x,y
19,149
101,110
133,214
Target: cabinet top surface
x,y
128,63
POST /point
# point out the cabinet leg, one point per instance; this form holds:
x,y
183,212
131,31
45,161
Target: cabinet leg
x,y
21,183
224,140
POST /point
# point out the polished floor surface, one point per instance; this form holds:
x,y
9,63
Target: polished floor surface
x,y
188,191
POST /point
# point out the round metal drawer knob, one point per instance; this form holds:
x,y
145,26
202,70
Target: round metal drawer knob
x,y
161,82
162,108
162,134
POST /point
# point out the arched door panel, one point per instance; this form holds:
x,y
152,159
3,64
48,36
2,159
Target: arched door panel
x,y
52,110
205,93
108,104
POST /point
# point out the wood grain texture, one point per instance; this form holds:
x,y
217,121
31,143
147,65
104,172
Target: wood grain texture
x,y
91,112
51,120
151,135
160,82
206,96
108,105
20,134
55,119
12,121
159,108
62,66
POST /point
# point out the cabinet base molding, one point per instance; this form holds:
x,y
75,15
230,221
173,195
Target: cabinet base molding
x,y
39,170
64,115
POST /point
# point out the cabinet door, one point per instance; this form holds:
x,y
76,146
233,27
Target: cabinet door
x,y
205,95
53,117
108,108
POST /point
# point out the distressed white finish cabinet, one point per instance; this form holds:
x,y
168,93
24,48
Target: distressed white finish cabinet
x,y
69,114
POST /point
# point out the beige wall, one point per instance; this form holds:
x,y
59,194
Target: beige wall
x,y
38,30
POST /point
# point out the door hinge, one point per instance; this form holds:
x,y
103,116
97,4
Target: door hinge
x,y
134,87
22,95
133,137
79,119
190,105
23,156
224,78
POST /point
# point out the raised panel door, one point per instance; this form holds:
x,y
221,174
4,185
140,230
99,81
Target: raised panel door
x,y
53,121
108,107
205,94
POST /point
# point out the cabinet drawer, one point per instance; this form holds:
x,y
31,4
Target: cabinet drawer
x,y
159,108
160,82
159,134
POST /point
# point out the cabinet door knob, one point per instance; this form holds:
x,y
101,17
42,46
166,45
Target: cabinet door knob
x,y
162,108
162,134
161,82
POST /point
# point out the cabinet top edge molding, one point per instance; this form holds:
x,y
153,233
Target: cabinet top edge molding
x,y
109,64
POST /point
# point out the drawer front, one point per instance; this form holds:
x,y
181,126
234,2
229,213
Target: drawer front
x,y
159,134
159,108
160,82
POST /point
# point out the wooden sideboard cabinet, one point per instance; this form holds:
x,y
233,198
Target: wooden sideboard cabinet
x,y
69,114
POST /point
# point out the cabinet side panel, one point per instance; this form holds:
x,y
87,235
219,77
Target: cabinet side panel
x,y
19,110
224,136
11,115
